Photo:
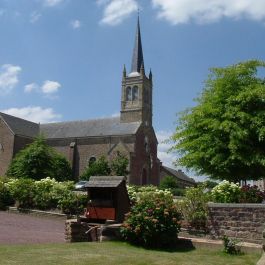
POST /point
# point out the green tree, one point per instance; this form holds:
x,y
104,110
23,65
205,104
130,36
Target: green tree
x,y
98,168
119,165
224,135
170,182
38,161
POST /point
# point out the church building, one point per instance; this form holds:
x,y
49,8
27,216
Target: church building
x,y
131,133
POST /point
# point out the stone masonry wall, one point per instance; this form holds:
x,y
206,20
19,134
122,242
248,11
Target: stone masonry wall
x,y
242,221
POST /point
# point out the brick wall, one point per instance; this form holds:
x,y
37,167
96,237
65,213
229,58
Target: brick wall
x,y
6,148
242,221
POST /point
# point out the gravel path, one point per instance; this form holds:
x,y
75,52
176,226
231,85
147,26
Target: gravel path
x,y
22,229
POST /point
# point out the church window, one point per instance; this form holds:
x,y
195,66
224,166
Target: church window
x,y
135,93
92,160
128,93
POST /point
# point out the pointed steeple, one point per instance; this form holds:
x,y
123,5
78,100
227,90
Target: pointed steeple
x,y
137,58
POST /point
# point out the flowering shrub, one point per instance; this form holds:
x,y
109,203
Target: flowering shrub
x,y
153,220
251,194
22,191
226,192
43,190
135,191
194,208
5,196
46,194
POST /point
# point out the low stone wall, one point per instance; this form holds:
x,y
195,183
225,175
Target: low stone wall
x,y
242,221
77,231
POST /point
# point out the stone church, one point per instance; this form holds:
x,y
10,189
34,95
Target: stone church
x,y
131,133
81,142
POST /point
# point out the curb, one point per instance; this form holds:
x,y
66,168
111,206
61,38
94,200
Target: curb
x,y
38,213
218,244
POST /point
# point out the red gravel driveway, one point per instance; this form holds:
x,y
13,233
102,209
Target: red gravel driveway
x,y
22,229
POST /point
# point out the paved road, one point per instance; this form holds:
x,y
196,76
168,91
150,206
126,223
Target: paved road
x,y
22,229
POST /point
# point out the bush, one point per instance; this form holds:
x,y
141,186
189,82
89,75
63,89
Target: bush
x,y
230,246
43,190
38,161
226,192
119,165
169,182
98,168
5,196
194,207
251,194
22,191
153,221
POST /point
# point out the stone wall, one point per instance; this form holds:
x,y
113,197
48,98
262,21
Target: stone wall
x,y
77,231
242,221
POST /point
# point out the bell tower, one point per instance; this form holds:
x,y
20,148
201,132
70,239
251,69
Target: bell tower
x,y
136,99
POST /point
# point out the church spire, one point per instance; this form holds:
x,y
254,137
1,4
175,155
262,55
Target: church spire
x,y
137,58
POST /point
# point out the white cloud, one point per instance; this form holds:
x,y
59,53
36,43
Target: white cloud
x,y
201,11
163,147
31,87
115,114
52,3
50,87
8,77
34,113
34,17
115,11
75,24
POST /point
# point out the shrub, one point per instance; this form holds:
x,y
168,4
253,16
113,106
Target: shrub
x,y
5,196
42,197
251,194
230,246
169,182
38,161
153,221
98,168
226,192
194,207
119,165
22,191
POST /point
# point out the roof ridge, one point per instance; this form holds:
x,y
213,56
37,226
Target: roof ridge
x,y
15,117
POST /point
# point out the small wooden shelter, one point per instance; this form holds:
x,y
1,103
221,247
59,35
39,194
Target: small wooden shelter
x,y
108,198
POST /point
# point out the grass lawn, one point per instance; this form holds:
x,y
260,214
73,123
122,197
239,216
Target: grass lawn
x,y
115,253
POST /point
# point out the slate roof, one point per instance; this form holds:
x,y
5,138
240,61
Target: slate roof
x,y
104,181
179,174
19,126
89,128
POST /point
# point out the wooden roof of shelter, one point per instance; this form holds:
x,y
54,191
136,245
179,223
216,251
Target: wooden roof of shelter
x,y
104,181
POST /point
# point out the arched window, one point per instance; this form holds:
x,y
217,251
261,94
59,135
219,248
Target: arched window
x,y
128,93
135,93
92,160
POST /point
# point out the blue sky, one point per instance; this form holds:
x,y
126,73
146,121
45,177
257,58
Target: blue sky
x,y
63,59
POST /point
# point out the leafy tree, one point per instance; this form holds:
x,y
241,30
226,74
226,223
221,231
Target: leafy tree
x,y
169,182
98,168
119,165
38,161
224,135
